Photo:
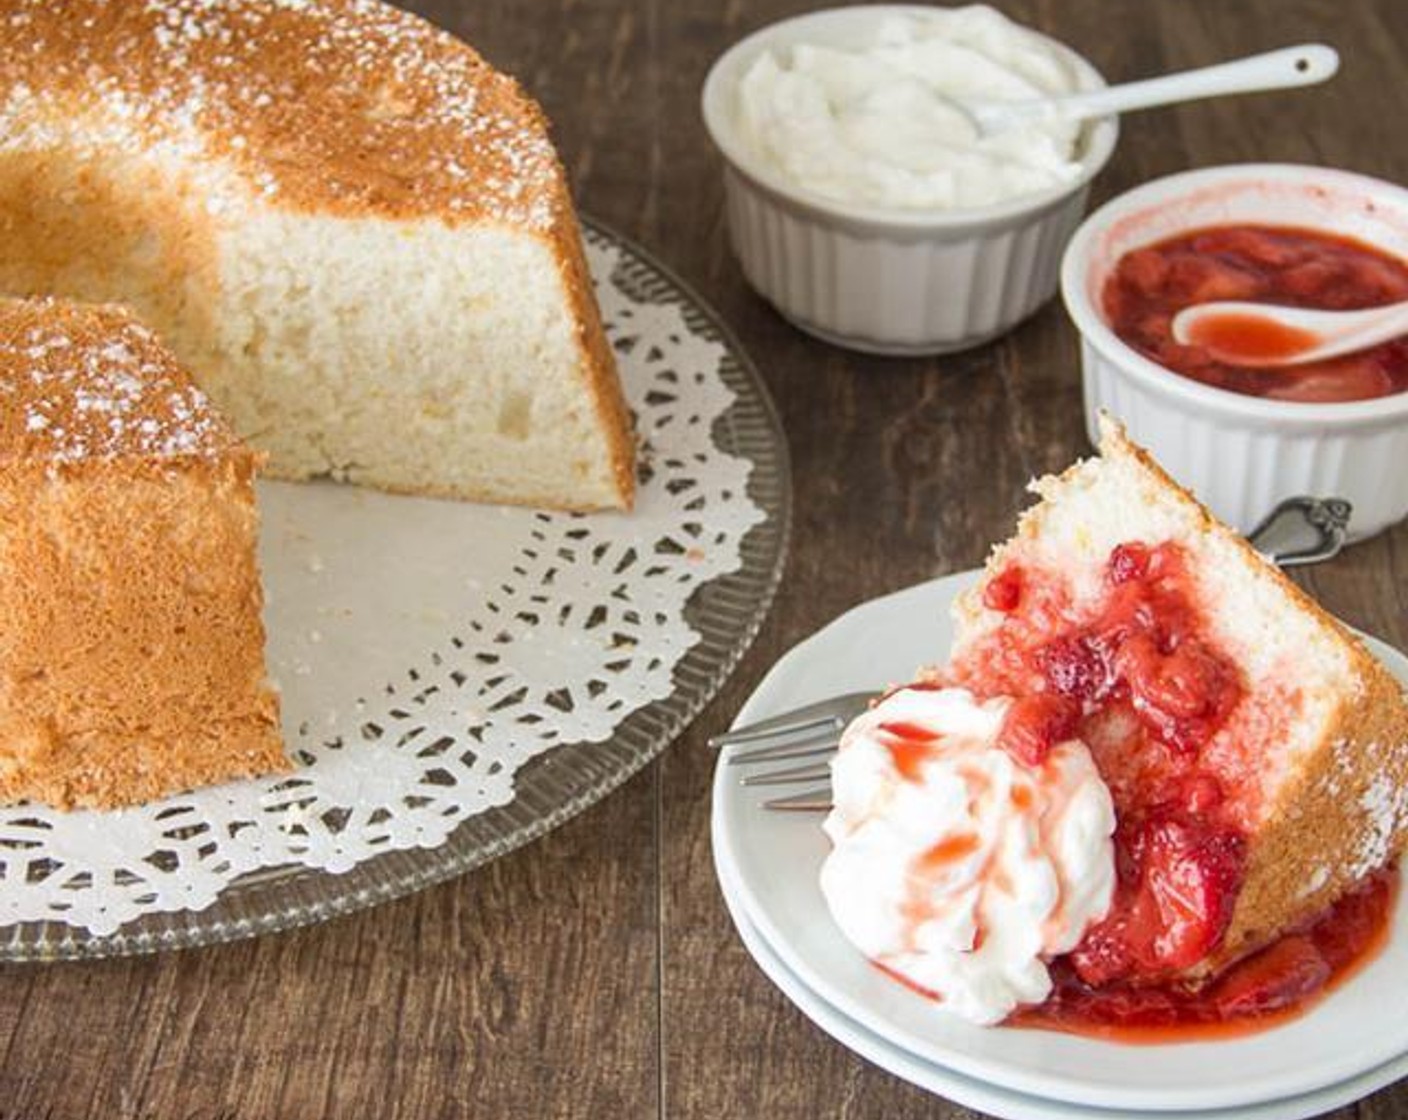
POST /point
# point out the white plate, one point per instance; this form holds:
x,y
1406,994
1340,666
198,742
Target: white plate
x,y
1002,1102
778,855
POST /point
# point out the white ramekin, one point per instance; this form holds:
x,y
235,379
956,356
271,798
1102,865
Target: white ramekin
x,y
1242,454
883,280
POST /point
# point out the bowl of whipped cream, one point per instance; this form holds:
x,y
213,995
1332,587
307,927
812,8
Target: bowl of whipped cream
x,y
869,209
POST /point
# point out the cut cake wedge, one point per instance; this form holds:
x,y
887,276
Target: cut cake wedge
x,y
1256,752
131,644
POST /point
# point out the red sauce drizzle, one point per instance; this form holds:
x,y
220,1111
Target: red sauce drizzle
x,y
1260,264
917,989
949,850
910,745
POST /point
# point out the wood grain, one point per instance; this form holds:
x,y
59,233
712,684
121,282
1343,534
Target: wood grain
x,y
595,972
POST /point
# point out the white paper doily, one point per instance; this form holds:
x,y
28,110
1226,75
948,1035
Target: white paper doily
x,y
428,652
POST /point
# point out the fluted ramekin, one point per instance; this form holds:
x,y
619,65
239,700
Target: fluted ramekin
x,y
889,280
1241,454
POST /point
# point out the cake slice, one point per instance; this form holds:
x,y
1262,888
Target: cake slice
x,y
131,646
1257,755
352,229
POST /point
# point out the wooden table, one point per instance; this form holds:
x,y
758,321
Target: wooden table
x,y
595,973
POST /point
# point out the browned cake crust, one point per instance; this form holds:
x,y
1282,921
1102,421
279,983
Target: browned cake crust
x,y
1342,816
1344,813
118,117
131,645
349,107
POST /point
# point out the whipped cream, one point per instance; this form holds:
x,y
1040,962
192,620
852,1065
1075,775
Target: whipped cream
x,y
957,867
876,124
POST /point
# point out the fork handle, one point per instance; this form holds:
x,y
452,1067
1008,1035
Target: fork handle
x,y
1328,519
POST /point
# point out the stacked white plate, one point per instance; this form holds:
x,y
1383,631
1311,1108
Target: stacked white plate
x,y
1349,1045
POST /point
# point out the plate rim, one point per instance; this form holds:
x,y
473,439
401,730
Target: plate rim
x,y
973,1093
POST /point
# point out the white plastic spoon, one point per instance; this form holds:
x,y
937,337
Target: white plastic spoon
x,y
1265,335
1304,65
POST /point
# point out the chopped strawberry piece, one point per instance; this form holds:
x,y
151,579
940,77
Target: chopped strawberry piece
x,y
1278,977
1314,282
1004,591
1262,246
1183,696
1035,724
1376,281
1193,875
1262,989
1357,377
1203,794
1129,561
1145,270
1204,279
1174,901
1075,667
1105,954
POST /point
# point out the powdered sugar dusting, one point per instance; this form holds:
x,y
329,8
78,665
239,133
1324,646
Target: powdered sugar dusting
x,y
90,383
348,104
1386,808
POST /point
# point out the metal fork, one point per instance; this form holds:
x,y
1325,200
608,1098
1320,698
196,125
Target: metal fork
x,y
815,729
808,731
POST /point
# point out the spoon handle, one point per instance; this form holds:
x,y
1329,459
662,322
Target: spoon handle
x,y
1368,329
1304,65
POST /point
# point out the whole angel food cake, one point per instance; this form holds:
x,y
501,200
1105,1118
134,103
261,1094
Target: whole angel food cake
x,y
1155,782
352,230
131,646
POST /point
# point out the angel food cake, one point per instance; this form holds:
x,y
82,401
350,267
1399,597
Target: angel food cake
x,y
352,230
1154,783
131,646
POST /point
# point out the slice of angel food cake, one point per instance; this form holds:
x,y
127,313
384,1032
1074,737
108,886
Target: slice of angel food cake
x,y
1155,785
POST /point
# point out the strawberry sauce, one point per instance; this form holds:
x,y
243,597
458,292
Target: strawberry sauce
x,y
1260,264
1140,681
1277,984
1138,675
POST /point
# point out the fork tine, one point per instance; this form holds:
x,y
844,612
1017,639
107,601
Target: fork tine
x,y
811,772
813,801
776,728
818,744
834,713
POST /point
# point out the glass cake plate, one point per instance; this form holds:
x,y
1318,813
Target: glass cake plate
x,y
435,661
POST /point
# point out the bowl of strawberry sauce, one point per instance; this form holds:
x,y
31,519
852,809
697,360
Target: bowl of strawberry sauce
x,y
1244,437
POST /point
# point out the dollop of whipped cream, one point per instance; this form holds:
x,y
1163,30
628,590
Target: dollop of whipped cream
x,y
955,866
876,124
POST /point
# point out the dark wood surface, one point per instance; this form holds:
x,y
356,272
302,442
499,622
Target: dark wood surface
x,y
595,973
